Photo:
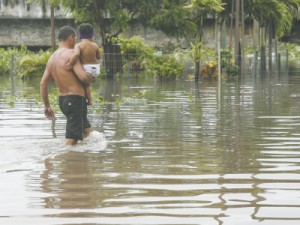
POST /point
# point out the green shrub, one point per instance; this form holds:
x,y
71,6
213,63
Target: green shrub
x,y
5,60
141,56
164,68
34,64
232,70
22,61
227,63
210,69
134,51
134,46
7,57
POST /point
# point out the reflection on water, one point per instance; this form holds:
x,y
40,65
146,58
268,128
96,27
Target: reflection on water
x,y
169,154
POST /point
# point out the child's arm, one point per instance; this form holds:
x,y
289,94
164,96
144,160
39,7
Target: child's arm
x,y
74,58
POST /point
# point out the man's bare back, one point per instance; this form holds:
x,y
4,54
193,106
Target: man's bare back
x,y
66,81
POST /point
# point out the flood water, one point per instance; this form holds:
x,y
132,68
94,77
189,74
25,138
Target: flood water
x,y
184,153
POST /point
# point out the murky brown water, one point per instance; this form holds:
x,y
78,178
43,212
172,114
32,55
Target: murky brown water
x,y
171,154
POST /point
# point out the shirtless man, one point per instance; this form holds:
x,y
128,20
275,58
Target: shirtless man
x,y
89,54
70,85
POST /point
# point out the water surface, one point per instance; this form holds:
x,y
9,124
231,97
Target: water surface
x,y
184,153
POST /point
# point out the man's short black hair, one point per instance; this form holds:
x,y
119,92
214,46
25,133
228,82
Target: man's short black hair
x,y
65,32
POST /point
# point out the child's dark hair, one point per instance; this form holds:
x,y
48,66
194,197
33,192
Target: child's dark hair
x,y
86,31
65,32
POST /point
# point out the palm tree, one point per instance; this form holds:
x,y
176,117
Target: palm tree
x,y
199,10
277,16
274,16
293,6
234,11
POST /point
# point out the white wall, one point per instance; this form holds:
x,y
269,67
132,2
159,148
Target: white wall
x,y
20,9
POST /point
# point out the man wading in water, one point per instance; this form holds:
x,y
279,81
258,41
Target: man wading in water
x,y
70,85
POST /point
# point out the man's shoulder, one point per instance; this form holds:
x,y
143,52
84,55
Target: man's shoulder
x,y
60,51
61,54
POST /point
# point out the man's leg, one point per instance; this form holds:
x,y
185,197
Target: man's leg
x,y
86,132
71,142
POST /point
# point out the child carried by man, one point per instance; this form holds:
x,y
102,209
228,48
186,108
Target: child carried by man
x,y
89,54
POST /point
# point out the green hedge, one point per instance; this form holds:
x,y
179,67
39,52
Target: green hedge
x,y
22,63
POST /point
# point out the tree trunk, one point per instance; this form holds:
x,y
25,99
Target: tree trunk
x,y
197,63
231,25
112,52
255,34
52,29
242,34
223,35
277,60
262,49
197,70
270,45
44,9
237,44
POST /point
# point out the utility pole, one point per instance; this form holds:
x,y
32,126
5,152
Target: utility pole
x,y
52,28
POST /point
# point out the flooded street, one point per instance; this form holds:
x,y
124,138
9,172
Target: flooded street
x,y
184,153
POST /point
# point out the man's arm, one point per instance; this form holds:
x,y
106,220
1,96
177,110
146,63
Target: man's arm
x,y
46,79
98,55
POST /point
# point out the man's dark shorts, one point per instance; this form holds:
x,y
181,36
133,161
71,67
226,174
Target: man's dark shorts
x,y
74,107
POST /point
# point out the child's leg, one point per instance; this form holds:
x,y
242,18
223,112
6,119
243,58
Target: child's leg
x,y
88,95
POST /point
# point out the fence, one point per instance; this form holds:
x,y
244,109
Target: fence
x,y
122,64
